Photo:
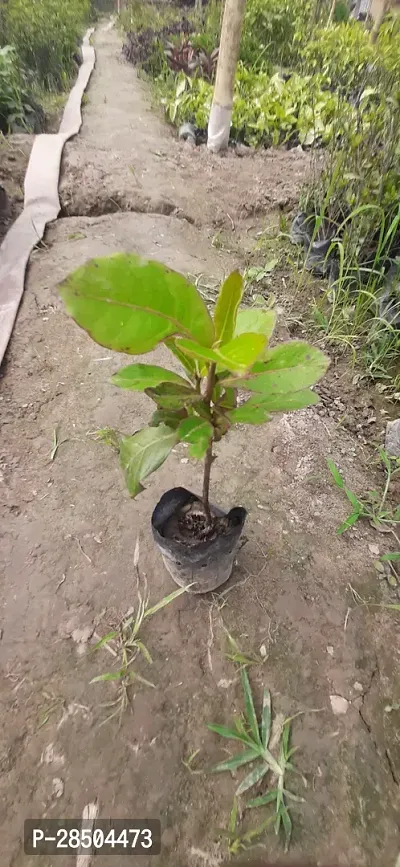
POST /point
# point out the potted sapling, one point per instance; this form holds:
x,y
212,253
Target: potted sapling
x,y
131,305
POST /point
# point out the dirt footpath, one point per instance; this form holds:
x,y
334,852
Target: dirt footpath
x,y
69,530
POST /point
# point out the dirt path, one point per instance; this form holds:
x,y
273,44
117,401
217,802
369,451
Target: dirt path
x,y
69,530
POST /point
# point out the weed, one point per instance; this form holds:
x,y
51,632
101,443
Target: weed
x,y
236,655
125,645
259,741
372,505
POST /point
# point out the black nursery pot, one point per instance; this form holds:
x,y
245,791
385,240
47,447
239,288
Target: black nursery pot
x,y
206,564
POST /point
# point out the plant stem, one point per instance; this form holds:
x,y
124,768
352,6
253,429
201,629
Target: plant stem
x,y
209,455
206,484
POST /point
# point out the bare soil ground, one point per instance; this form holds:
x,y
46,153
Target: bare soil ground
x,y
69,529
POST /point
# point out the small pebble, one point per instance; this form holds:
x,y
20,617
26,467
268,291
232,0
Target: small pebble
x,y
329,650
339,704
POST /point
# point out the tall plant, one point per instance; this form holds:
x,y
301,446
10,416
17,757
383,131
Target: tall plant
x,y
131,305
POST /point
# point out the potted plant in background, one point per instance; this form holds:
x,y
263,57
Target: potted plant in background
x,y
130,305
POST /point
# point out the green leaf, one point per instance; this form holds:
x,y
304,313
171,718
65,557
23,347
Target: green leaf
x,y
237,356
143,453
109,637
335,473
109,675
256,410
170,395
165,601
143,649
289,367
252,778
257,321
172,418
287,825
249,705
392,557
140,376
348,523
130,305
237,761
266,718
188,364
262,800
198,432
226,307
226,732
355,502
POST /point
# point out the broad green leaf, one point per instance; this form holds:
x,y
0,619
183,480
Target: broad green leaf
x,y
246,414
143,453
170,395
229,298
172,418
392,557
140,376
198,432
335,473
228,399
249,705
289,367
255,320
252,778
355,502
256,410
237,356
237,761
130,305
263,799
266,718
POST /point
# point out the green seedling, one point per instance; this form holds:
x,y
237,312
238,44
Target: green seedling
x,y
258,744
236,655
372,505
131,305
125,645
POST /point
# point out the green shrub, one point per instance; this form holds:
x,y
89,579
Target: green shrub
x,y
46,35
341,53
16,102
266,110
273,31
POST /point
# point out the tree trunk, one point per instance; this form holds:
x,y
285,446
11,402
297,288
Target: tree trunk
x,y
219,123
386,4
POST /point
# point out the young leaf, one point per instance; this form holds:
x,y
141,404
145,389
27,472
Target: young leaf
x,y
262,800
266,718
130,305
252,778
392,557
226,307
109,675
237,356
140,376
226,732
335,473
289,367
287,825
258,321
170,395
198,432
165,601
237,761
143,453
348,523
249,705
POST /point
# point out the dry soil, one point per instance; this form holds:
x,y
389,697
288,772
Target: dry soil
x,y
69,531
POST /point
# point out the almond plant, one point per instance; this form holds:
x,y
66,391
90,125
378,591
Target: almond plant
x,y
131,305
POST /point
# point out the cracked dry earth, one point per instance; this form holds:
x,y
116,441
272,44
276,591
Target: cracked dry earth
x,y
68,534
